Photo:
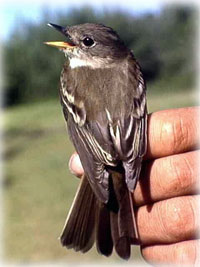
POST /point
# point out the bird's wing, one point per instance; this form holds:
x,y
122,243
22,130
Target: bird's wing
x,y
93,158
129,133
133,147
90,142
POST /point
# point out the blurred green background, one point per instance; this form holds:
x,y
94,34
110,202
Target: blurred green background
x,y
38,187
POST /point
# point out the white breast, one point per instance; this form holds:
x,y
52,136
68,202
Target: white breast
x,y
93,62
76,62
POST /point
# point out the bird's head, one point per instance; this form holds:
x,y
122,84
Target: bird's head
x,y
92,45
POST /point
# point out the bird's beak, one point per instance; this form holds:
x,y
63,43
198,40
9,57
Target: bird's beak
x,y
59,44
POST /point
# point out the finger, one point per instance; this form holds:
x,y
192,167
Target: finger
x,y
185,252
168,177
173,131
75,165
168,221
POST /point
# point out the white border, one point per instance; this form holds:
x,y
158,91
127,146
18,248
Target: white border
x,y
118,3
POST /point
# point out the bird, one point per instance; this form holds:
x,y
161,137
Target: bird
x,y
103,97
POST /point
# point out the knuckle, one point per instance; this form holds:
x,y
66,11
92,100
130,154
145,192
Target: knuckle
x,y
175,131
180,132
178,218
181,172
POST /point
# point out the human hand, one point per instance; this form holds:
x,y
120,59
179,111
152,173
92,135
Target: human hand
x,y
166,197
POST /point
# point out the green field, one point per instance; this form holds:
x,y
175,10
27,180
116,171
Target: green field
x,y
38,187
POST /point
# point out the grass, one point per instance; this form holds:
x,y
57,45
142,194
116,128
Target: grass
x,y
38,187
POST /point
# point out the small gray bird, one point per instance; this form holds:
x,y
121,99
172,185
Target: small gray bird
x,y
103,96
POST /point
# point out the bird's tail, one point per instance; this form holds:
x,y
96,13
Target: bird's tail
x,y
111,225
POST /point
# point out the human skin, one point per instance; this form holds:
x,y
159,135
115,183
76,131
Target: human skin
x,y
167,196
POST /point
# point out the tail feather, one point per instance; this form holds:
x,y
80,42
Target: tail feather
x,y
121,242
104,241
114,222
78,232
124,230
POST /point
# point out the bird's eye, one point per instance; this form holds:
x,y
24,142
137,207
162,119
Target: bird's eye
x,y
87,41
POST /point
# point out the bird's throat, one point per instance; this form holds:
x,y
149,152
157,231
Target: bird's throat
x,y
93,62
76,62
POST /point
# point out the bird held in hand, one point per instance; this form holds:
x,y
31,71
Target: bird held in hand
x,y
103,96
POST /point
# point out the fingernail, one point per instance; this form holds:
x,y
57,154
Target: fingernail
x,y
75,165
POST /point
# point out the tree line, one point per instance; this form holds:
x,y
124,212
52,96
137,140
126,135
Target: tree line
x,y
163,43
